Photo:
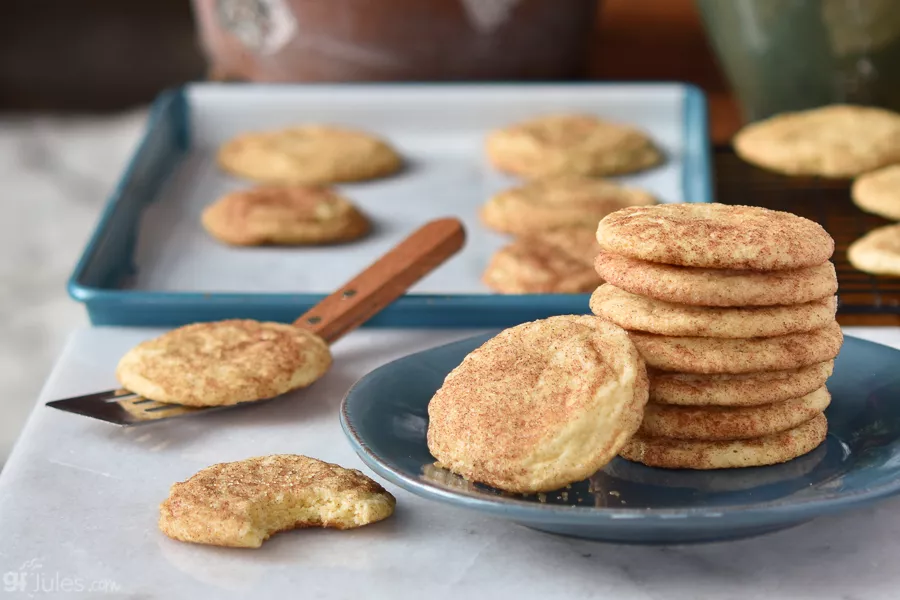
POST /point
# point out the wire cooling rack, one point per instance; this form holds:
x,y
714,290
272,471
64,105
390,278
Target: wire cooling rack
x,y
825,201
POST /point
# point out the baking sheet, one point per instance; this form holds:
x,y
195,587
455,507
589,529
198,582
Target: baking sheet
x,y
439,130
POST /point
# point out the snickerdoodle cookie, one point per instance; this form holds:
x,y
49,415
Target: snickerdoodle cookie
x,y
878,192
285,215
747,389
551,262
224,362
717,287
309,154
641,313
558,202
877,252
717,236
749,355
695,454
540,405
832,141
716,423
570,144
241,504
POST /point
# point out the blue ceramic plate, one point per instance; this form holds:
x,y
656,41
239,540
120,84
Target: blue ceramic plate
x,y
385,416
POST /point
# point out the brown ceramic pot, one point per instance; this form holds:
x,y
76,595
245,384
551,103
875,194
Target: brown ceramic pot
x,y
378,40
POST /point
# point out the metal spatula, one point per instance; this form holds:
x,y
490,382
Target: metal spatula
x,y
346,309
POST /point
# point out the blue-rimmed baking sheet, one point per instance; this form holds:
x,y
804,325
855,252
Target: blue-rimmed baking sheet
x,y
150,262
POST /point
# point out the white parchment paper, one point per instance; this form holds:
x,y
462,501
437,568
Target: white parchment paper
x,y
440,131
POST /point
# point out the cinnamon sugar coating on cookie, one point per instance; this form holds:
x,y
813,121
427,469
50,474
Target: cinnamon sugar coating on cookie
x,y
570,144
717,236
635,312
308,154
716,423
557,202
540,405
830,141
285,215
243,503
746,355
224,362
756,452
549,262
717,287
743,389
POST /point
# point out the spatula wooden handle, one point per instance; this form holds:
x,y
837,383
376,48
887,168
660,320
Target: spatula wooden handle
x,y
385,280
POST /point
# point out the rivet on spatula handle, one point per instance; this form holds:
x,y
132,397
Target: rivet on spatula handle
x,y
385,280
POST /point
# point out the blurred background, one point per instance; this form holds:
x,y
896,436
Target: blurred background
x,y
76,77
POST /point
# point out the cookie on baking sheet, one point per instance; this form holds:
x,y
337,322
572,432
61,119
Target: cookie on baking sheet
x,y
715,423
558,202
721,355
832,141
878,192
717,287
718,236
877,252
540,405
748,389
286,215
308,154
631,311
224,362
551,262
241,504
570,144
757,452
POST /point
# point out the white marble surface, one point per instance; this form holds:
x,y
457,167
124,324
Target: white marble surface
x,y
78,502
54,177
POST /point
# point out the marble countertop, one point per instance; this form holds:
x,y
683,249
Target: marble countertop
x,y
55,174
78,503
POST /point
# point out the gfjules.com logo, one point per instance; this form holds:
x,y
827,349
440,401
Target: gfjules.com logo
x,y
32,578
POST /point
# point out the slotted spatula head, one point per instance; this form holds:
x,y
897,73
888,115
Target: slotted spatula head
x,y
339,313
124,408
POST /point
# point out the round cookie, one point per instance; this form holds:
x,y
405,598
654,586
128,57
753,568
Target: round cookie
x,y
550,262
540,405
878,192
749,389
241,504
717,287
720,355
832,141
558,202
308,154
631,311
717,236
715,423
758,452
287,215
790,475
877,252
224,362
570,144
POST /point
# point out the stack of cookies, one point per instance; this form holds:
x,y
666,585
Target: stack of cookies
x,y
733,310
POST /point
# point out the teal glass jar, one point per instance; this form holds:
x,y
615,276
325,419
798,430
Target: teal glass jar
x,y
784,55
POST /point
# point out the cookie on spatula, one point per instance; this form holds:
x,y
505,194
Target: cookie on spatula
x,y
224,362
